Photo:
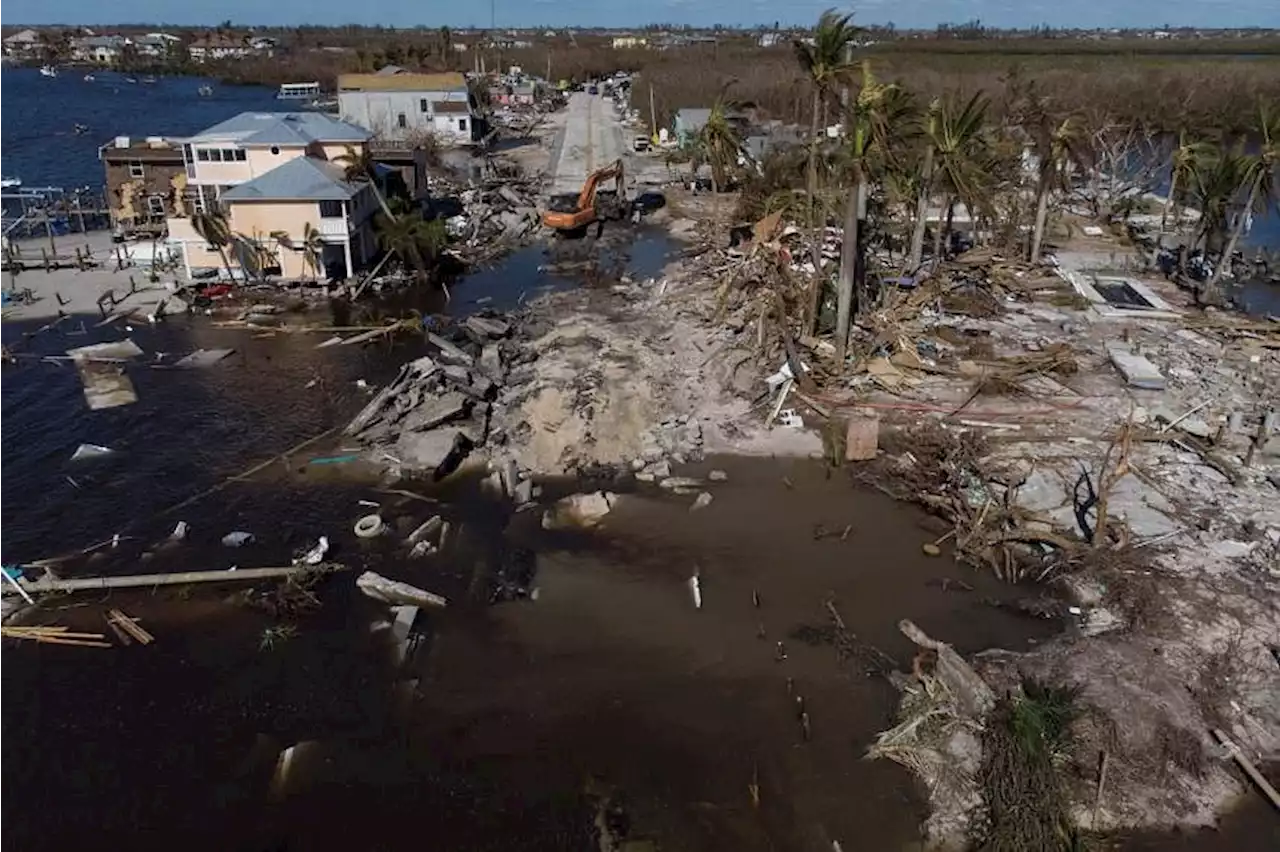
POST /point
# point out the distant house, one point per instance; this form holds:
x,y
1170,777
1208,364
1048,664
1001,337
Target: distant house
x,y
100,50
22,44
772,39
396,104
621,42
275,177
212,46
688,122
155,45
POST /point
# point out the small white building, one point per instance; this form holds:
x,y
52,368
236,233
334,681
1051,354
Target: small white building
x,y
397,104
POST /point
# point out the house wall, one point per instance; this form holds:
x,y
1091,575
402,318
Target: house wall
x,y
379,112
257,219
261,160
156,180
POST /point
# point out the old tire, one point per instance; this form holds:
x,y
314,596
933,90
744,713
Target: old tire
x,y
370,526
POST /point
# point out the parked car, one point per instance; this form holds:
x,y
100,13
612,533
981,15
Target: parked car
x,y
640,143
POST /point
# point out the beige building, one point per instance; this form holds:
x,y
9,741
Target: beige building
x,y
272,175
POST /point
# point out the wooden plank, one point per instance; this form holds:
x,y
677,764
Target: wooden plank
x,y
134,581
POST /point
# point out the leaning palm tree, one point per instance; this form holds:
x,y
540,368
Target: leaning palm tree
x,y
417,242
311,247
825,63
1212,188
1188,154
870,123
717,144
954,151
360,167
215,230
1261,180
1060,146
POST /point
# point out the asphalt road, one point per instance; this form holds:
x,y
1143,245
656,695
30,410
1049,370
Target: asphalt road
x,y
592,138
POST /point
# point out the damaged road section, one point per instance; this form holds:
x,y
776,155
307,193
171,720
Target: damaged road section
x,y
439,407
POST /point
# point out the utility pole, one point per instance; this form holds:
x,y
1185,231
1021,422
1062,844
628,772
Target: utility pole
x,y
653,114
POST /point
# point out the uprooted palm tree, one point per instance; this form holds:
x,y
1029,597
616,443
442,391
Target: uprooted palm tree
x,y
825,63
215,230
360,167
1259,184
953,162
417,242
871,121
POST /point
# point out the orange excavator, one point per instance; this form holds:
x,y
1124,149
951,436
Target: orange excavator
x,y
571,212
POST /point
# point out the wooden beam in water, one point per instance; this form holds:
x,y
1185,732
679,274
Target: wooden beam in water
x,y
181,578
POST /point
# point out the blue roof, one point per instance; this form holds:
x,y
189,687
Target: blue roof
x,y
283,128
300,179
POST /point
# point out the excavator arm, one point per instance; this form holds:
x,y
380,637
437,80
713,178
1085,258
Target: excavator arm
x,y
584,211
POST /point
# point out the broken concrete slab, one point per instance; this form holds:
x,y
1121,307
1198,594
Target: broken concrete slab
x,y
118,350
203,358
425,529
106,385
491,360
1164,415
1137,370
436,412
426,450
488,327
449,351
1042,491
862,439
380,588
579,510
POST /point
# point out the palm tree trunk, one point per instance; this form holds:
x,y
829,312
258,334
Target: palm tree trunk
x,y
1168,202
226,261
922,210
941,231
811,184
951,215
848,269
1224,260
1042,213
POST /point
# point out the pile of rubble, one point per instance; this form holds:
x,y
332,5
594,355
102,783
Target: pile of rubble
x,y
503,212
439,408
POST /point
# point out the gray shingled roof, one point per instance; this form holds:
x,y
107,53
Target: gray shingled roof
x,y
282,128
300,179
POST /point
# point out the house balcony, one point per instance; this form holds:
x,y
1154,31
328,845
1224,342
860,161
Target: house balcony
x,y
333,228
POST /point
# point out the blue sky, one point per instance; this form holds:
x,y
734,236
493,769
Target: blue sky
x,y
624,13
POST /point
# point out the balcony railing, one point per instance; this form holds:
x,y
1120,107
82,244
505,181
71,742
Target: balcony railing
x,y
333,227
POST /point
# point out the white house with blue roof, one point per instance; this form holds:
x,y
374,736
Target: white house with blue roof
x,y
278,176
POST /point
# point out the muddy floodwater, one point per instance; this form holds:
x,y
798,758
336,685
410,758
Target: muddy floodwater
x,y
516,720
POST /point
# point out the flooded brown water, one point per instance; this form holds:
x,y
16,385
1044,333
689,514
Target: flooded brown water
x,y
523,714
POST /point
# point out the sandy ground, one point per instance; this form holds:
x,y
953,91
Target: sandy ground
x,y
79,290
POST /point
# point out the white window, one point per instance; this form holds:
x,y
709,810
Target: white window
x,y
137,170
